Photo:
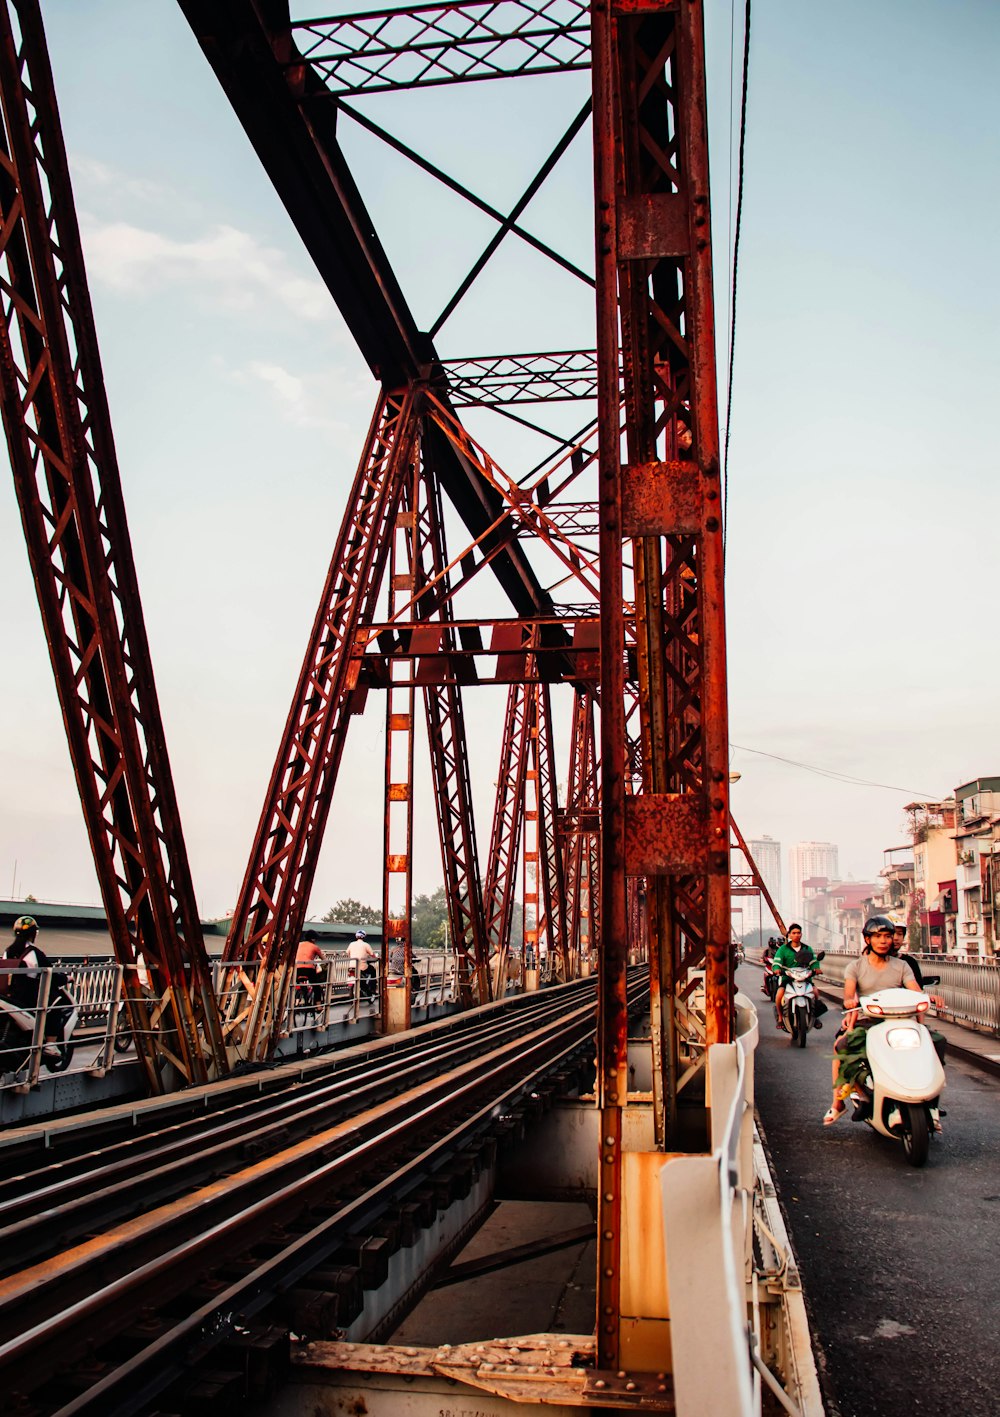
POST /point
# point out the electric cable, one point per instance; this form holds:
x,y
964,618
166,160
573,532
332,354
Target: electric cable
x,y
733,290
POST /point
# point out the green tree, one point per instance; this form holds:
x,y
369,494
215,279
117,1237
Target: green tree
x,y
429,921
352,912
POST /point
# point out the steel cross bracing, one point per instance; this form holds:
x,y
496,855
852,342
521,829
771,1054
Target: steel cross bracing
x,y
62,453
444,44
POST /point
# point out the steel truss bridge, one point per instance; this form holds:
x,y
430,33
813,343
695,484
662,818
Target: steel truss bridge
x,y
635,863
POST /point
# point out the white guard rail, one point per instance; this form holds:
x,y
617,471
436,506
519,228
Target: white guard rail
x,y
730,1319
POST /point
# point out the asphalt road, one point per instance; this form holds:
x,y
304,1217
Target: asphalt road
x,y
900,1265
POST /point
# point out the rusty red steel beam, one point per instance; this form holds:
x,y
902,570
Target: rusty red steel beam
x,y
550,862
508,818
660,498
274,896
579,823
400,702
68,485
450,771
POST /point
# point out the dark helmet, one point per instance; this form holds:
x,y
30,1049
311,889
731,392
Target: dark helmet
x,y
24,923
309,937
875,923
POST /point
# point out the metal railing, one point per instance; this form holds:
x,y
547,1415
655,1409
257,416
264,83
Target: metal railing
x,y
971,992
102,1035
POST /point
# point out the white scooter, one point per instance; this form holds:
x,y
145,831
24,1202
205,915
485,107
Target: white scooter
x,y
905,1075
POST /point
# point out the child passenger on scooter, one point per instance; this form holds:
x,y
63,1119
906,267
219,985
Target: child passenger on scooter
x,y
874,969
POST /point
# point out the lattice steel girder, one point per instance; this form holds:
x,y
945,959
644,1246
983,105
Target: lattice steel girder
x,y
68,486
550,865
495,381
273,92
457,43
400,702
654,276
450,757
578,825
274,897
508,817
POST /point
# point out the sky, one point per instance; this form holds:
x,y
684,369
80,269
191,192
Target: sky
x,y
862,499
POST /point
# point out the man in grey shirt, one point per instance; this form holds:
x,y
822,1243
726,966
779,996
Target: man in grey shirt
x,y
874,969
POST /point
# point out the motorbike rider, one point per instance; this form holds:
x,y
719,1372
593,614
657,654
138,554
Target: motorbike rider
x,y
792,953
309,960
874,969
361,952
25,980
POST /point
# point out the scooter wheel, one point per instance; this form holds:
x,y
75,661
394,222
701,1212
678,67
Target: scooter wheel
x,y
916,1133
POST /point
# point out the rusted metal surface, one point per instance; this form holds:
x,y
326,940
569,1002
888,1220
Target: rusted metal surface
x,y
550,864
68,486
450,769
400,701
659,495
508,819
579,823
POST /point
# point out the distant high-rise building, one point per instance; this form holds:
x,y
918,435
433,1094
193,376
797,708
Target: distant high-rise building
x,y
766,852
807,860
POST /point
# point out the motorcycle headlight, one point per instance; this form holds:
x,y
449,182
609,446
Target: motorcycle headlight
x,y
903,1038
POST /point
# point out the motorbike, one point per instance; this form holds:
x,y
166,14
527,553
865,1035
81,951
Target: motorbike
x,y
769,983
905,1076
17,1028
799,1005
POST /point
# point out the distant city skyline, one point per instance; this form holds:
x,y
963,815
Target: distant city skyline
x,y
767,858
808,860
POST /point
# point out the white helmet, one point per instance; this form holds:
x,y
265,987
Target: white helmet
x,y
360,935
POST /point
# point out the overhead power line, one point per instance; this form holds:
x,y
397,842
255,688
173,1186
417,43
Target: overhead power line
x,y
736,256
834,775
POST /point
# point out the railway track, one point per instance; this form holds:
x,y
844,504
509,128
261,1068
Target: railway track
x,y
215,1235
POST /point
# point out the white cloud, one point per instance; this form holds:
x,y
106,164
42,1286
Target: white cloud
x,y
239,270
306,400
92,173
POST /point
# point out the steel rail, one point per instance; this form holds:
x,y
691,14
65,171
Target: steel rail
x,y
63,1141
119,1183
150,1261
